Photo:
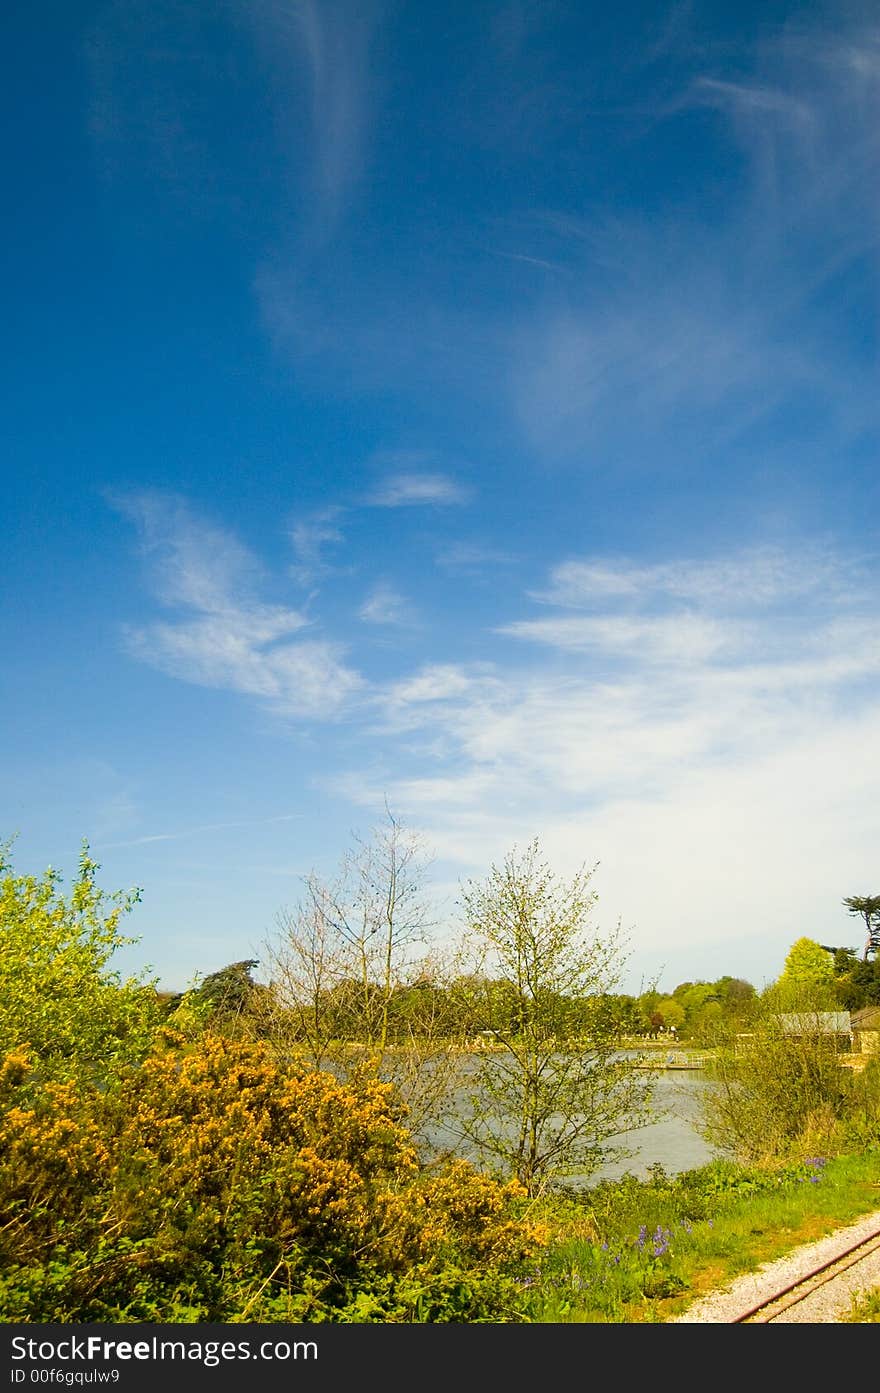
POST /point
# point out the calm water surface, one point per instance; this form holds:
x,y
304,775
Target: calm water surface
x,y
673,1141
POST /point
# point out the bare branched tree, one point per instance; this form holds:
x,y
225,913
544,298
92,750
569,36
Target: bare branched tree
x,y
355,981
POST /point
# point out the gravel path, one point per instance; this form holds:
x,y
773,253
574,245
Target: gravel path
x,y
829,1304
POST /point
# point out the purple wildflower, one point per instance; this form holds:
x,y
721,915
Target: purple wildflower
x,y
661,1238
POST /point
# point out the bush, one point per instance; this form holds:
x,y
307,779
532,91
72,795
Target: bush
x,y
778,1095
215,1184
60,996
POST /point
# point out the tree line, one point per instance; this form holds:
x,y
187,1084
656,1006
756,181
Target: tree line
x,y
269,1149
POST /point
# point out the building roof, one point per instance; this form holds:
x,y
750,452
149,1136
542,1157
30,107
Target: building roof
x,y
816,1023
867,1018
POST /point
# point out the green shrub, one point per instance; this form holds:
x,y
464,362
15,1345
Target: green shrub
x,y
215,1184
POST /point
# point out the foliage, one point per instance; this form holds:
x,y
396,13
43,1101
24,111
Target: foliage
x,y
856,980
60,996
673,1013
809,968
779,1093
228,1001
344,950
865,1309
538,1110
867,907
637,1250
217,1185
696,1010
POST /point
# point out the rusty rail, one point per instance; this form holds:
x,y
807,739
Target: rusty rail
x,y
811,1281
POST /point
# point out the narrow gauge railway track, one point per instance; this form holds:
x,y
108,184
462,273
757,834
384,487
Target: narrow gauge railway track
x,y
813,1283
771,1307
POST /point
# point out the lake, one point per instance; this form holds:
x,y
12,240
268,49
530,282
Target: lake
x,y
672,1142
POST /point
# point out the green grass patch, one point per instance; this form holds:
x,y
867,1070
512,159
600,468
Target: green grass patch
x,y
642,1250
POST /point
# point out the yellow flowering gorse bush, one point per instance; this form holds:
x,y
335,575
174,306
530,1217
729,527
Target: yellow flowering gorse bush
x,y
214,1183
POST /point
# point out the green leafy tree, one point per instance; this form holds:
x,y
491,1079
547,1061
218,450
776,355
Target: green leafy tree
x,y
538,1110
228,1001
672,1011
651,1021
777,1089
856,980
612,1013
61,998
809,968
735,994
867,907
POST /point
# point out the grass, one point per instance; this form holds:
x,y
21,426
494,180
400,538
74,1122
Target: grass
x,y
865,1309
641,1251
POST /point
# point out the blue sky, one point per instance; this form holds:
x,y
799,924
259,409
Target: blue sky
x,y
469,406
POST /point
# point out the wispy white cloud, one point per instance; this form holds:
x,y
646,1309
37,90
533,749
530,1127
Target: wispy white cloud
x,y
185,833
385,605
336,40
309,537
305,679
685,348
191,561
436,682
671,333
325,87
233,640
409,489
719,324
470,558
686,638
687,722
755,102
681,758
759,605
758,576
323,50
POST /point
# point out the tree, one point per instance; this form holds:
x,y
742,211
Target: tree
x,y
61,999
809,968
358,931
856,980
228,1001
539,1110
778,1092
734,993
672,1013
867,907
348,953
